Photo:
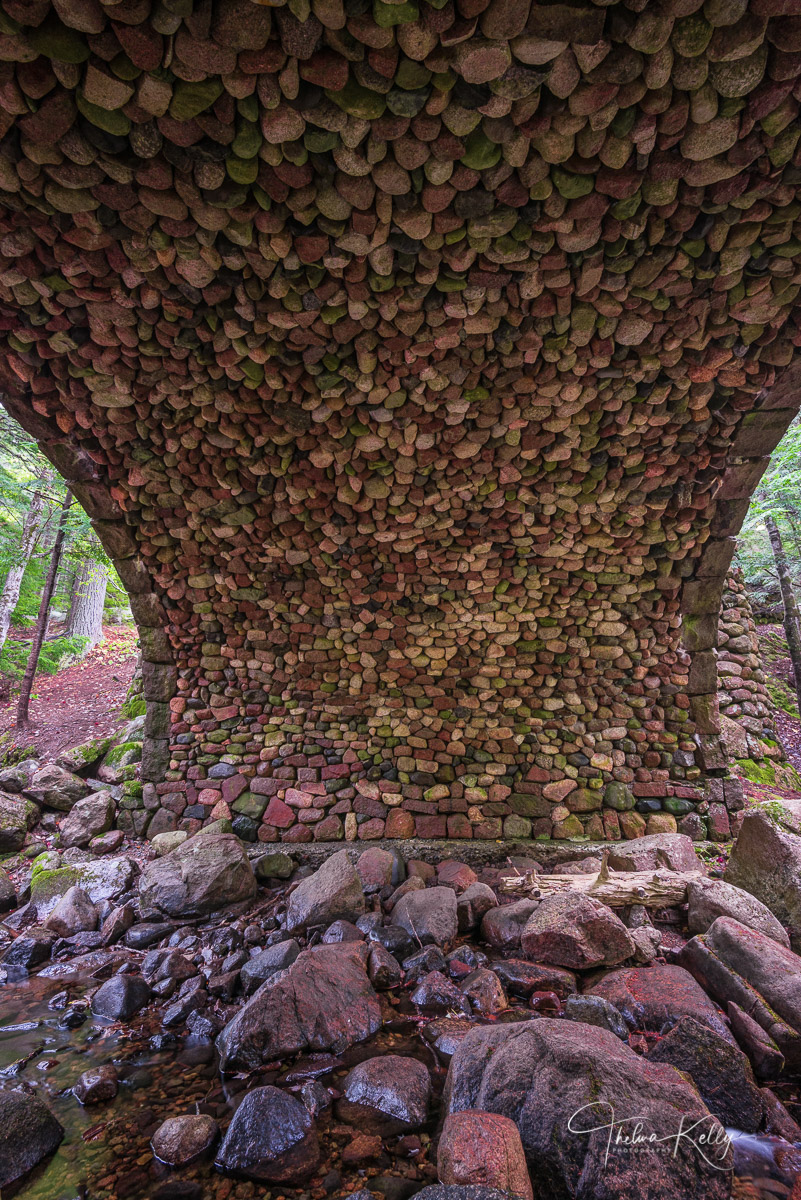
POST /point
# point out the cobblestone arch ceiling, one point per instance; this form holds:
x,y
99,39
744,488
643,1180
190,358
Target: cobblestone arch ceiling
x,y
417,361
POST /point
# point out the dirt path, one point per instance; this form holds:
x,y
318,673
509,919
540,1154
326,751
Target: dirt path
x,y
77,703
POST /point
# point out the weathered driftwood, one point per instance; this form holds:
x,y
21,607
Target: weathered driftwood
x,y
653,889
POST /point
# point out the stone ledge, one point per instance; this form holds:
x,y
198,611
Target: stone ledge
x,y
474,852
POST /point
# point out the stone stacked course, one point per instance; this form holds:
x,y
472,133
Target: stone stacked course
x,y
416,362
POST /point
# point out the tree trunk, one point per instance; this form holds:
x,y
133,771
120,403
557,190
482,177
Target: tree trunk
x,y
31,529
85,616
792,628
41,621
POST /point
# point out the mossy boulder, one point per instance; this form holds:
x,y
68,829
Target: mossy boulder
x,y
17,815
79,757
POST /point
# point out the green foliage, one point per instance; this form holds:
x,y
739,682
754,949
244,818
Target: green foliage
x,y
781,695
779,495
55,654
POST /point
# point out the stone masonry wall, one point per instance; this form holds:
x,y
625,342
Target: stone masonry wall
x,y
415,363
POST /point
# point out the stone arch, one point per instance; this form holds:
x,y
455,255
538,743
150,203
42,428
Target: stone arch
x,y
76,466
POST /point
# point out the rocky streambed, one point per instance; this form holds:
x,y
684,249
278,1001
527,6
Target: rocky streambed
x,y
221,1023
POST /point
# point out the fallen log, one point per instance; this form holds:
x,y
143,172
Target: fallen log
x,y
652,889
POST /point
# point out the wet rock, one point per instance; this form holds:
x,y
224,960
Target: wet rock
x,y
179,1141
474,902
654,998
271,1139
503,926
709,899
436,991
521,978
334,891
74,913
147,933
363,1147
674,851
17,816
412,884
445,1034
394,938
203,876
97,1085
323,1001
88,818
483,1148
416,966
30,949
378,869
764,978
28,1133
542,1073
460,1192
54,787
342,931
8,897
117,923
160,965
120,997
383,969
266,963
764,1055
719,1070
389,1094
315,1097
573,930
766,862
429,916
13,779
485,992
595,1010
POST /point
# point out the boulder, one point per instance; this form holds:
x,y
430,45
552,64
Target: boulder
x,y
323,1001
573,930
107,843
674,851
333,891
766,862
13,779
436,991
273,866
383,969
77,758
96,1085
88,818
266,963
28,1133
100,879
563,1083
386,1095
652,999
502,927
454,1191
595,1010
179,1141
120,997
484,990
8,897
483,1148
271,1139
74,913
378,869
709,899
56,788
719,1070
521,978
17,815
30,949
741,965
203,876
429,916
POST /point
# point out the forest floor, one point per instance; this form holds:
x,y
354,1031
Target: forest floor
x,y
81,701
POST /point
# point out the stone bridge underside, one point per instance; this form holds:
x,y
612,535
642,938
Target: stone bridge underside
x,y
417,361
